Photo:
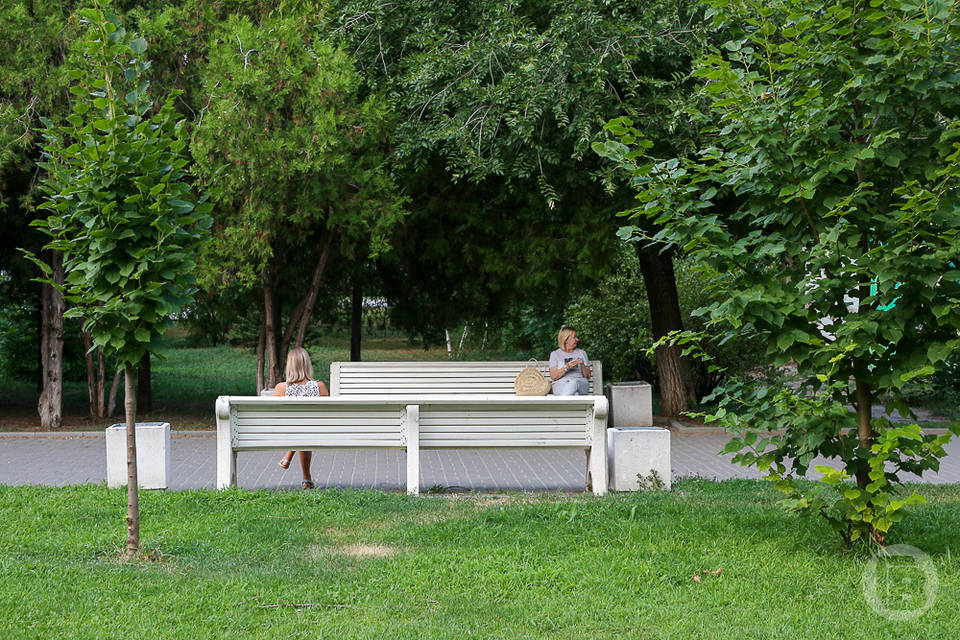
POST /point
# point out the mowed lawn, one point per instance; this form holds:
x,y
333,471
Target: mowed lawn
x,y
366,564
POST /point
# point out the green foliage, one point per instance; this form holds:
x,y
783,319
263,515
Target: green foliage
x,y
290,149
810,424
650,482
33,82
613,322
503,100
121,210
825,195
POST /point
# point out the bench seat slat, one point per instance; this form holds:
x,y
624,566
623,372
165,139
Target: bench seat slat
x,y
293,421
315,428
446,427
289,442
459,442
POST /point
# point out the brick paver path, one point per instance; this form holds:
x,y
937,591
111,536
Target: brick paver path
x,y
78,458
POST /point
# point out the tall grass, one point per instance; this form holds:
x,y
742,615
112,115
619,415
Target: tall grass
x,y
363,564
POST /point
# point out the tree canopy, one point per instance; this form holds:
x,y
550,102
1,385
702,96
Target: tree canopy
x,y
825,193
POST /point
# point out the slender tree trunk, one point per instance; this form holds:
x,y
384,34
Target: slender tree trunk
x,y
864,397
261,382
313,292
463,336
300,318
144,392
133,494
449,348
270,335
677,390
95,378
50,405
91,376
112,402
356,319
101,384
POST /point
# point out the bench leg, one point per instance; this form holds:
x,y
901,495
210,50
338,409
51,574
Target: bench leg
x,y
412,430
226,456
597,474
597,453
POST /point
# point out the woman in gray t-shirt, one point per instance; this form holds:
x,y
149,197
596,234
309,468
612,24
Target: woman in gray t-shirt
x,y
569,366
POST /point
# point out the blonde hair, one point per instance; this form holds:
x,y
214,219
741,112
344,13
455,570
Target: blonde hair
x,y
299,366
565,333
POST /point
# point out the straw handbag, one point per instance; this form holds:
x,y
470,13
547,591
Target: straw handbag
x,y
530,382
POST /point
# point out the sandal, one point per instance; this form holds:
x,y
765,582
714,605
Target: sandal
x,y
306,484
284,463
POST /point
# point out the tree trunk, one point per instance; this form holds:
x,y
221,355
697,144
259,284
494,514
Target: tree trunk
x,y
260,346
677,389
50,405
864,397
144,392
101,379
95,377
112,402
133,494
91,376
270,332
356,319
463,337
311,299
300,318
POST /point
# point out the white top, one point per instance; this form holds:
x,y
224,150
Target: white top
x,y
559,359
309,389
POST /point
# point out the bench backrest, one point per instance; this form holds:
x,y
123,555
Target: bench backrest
x,y
267,422
457,378
495,421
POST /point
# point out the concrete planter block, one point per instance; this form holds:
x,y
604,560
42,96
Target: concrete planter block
x,y
637,450
631,404
153,455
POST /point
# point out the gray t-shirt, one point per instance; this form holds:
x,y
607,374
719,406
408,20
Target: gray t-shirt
x,y
559,358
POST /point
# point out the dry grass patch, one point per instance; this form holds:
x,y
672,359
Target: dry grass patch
x,y
359,550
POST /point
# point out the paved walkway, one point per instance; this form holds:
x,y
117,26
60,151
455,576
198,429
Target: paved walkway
x,y
80,457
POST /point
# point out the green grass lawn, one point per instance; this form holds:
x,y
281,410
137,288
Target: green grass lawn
x,y
365,564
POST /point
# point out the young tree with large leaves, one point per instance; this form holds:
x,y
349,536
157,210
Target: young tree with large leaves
x,y
295,157
120,210
827,195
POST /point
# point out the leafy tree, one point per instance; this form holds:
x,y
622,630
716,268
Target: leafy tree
x,y
294,157
826,195
121,211
36,32
508,97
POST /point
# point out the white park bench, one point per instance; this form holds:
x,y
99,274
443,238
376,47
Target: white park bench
x,y
411,422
